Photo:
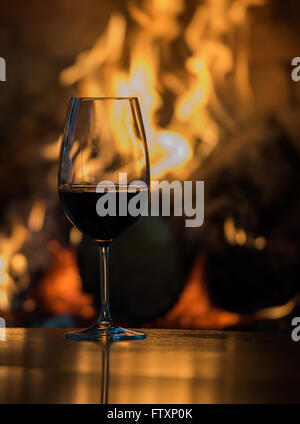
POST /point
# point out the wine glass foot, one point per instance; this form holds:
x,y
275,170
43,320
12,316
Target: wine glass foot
x,y
104,333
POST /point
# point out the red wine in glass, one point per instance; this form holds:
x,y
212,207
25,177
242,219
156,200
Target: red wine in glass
x,y
103,138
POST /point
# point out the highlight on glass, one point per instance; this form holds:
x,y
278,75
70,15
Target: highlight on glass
x,y
103,137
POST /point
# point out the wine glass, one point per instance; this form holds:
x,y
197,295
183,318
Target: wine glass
x,y
103,168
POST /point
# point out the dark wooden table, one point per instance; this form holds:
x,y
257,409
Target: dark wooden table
x,y
169,366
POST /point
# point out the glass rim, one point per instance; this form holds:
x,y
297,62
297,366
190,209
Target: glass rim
x,y
105,98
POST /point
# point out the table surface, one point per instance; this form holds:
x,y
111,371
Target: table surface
x,y
169,366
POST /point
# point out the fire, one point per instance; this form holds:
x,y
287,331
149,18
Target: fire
x,y
177,66
193,130
37,215
60,290
9,246
13,263
238,236
194,309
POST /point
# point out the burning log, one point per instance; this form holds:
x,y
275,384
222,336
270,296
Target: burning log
x,y
250,237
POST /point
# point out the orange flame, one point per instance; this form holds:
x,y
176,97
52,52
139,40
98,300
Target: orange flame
x,y
193,130
8,248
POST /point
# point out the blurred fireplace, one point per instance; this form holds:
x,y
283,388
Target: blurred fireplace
x,y
209,76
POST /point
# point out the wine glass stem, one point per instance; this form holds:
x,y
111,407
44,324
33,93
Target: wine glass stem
x,y
105,318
